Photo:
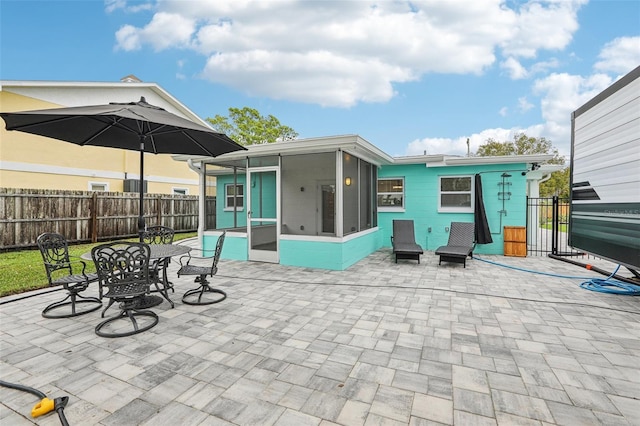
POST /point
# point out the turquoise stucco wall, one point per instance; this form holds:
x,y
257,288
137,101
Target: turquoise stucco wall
x,y
224,219
303,253
264,202
234,247
330,254
421,203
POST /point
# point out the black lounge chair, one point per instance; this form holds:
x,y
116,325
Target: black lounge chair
x,y
460,243
404,241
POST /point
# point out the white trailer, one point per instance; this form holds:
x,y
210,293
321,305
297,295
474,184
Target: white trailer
x,y
605,174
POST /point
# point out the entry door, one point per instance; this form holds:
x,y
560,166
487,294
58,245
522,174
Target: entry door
x,y
326,208
263,214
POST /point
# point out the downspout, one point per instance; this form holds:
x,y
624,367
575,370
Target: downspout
x,y
202,188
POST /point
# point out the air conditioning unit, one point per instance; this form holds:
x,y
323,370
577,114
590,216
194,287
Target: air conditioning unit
x,y
133,185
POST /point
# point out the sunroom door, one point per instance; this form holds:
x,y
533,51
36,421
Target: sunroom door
x,y
263,214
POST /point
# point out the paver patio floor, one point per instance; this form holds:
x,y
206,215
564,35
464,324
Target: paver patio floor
x,y
378,344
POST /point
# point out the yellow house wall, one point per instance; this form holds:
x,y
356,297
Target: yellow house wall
x,y
63,165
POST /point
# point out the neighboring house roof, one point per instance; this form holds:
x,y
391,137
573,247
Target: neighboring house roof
x,y
358,146
96,93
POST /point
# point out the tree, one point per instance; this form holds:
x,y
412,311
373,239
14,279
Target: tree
x,y
558,183
248,127
521,145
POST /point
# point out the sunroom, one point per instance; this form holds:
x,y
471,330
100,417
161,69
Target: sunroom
x,y
308,202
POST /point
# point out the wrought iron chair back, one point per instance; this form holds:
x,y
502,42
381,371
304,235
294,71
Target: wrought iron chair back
x,y
119,265
71,273
216,254
158,235
55,253
123,273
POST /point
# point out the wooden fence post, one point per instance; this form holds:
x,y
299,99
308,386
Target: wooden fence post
x,y
159,210
93,220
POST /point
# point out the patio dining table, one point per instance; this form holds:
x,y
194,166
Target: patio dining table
x,y
159,252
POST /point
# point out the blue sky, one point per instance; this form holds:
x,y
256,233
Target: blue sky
x,y
409,77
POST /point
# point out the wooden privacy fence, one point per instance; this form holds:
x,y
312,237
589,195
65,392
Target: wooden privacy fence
x,y
86,216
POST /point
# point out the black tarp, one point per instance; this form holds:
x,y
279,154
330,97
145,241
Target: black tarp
x,y
482,231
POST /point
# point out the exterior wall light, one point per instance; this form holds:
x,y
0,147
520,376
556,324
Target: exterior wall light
x,y
347,181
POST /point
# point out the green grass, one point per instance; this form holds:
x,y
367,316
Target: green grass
x,y
22,270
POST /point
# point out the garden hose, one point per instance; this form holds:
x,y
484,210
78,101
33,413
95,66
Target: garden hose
x,y
45,405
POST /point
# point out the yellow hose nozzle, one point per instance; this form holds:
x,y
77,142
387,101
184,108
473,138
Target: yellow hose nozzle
x,y
43,407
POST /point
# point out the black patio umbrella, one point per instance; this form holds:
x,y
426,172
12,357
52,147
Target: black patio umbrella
x,y
136,126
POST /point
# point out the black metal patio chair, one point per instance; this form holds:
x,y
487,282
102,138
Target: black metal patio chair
x,y
160,235
460,245
123,273
403,241
194,265
70,273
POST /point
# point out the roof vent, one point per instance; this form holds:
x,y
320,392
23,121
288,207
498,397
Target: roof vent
x,y
130,79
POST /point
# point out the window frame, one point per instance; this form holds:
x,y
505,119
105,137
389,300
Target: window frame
x,y
90,185
230,208
179,191
454,209
400,208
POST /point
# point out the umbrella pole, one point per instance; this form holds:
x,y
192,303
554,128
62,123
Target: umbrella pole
x,y
141,224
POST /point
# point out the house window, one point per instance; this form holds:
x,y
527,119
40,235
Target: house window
x,y
98,186
391,194
456,194
180,191
233,196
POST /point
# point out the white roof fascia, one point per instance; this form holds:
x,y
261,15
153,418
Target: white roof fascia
x,y
499,159
6,85
352,144
419,159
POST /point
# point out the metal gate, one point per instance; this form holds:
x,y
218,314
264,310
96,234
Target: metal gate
x,y
548,227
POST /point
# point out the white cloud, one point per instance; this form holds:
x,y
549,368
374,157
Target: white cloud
x,y
458,146
113,5
619,56
543,25
514,69
165,31
339,53
319,77
561,95
524,105
504,111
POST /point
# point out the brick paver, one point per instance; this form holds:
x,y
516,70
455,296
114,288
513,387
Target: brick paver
x,y
381,343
